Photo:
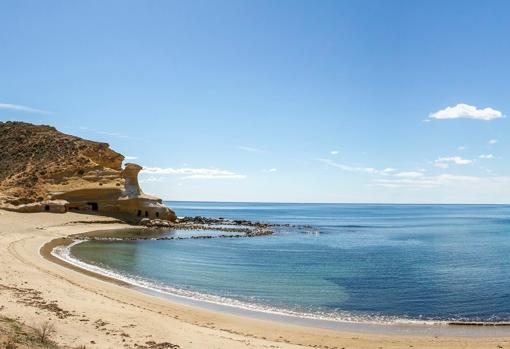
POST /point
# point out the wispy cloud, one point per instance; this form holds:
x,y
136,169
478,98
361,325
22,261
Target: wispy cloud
x,y
425,181
441,165
152,179
444,162
466,111
112,134
334,152
369,170
486,156
493,141
23,109
249,149
194,173
391,178
389,170
412,174
106,133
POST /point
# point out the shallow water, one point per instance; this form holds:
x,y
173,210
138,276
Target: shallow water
x,y
369,262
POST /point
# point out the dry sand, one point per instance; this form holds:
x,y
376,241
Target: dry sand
x,y
99,314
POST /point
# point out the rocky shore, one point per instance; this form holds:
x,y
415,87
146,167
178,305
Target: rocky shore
x,y
158,229
241,227
153,229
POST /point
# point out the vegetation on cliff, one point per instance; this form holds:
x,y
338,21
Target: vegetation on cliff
x,y
37,158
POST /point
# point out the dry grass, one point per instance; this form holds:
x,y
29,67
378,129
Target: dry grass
x,y
16,335
45,331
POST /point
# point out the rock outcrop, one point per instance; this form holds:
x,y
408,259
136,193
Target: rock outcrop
x,y
42,169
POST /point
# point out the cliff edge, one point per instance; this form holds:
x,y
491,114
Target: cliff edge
x,y
42,169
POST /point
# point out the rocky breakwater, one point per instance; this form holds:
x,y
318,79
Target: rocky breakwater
x,y
204,227
238,227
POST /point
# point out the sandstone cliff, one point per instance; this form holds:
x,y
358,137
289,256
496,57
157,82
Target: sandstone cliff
x,y
39,165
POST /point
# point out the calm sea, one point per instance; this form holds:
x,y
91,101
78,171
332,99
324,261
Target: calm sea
x,y
358,262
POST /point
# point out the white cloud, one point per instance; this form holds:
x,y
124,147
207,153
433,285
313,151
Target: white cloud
x,y
22,108
441,165
388,171
347,168
270,170
486,156
112,134
466,111
418,180
489,188
493,141
152,179
194,173
334,152
411,174
131,157
106,133
426,182
390,177
457,160
462,147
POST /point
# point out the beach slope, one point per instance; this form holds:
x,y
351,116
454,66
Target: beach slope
x,y
89,311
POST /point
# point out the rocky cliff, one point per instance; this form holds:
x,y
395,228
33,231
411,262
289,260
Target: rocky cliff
x,y
39,163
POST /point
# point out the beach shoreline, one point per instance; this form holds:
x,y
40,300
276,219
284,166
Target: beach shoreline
x,y
130,317
386,326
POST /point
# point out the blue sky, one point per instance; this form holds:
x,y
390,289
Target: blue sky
x,y
289,101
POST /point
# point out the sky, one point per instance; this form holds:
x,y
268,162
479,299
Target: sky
x,y
274,101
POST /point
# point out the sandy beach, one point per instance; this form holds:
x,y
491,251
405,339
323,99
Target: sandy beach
x,y
94,312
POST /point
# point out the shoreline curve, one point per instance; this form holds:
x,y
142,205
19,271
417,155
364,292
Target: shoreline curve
x,y
113,316
394,326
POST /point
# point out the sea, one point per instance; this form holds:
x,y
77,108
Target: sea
x,y
354,263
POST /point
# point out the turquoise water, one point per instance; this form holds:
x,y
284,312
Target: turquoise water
x,y
426,262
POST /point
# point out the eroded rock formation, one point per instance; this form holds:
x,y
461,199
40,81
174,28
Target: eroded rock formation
x,y
42,169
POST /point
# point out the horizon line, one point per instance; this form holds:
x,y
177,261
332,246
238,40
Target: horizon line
x,y
336,203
